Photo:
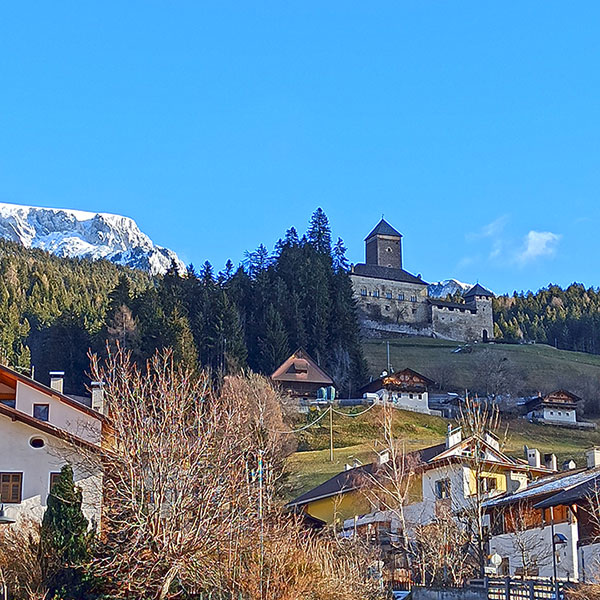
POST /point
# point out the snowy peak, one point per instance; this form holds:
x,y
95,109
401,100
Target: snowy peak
x,y
441,289
80,234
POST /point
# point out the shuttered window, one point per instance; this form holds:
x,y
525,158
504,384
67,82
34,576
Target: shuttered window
x,y
53,479
10,487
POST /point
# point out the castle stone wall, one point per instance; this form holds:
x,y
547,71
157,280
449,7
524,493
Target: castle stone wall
x,y
468,324
391,302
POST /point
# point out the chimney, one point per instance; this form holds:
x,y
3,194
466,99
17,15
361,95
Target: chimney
x,y
533,458
453,436
551,462
593,457
98,396
569,465
56,380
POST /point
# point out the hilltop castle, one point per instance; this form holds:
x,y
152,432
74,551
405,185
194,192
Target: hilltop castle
x,y
393,301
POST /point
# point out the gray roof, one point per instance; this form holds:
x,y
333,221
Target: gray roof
x,y
478,290
544,486
384,228
389,273
588,488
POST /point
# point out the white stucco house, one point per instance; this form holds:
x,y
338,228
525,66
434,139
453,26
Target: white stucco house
x,y
406,389
446,476
556,408
41,430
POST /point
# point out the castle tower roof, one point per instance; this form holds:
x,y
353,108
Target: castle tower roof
x,y
384,228
478,290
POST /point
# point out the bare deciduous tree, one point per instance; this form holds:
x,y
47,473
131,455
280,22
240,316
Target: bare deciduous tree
x,y
190,485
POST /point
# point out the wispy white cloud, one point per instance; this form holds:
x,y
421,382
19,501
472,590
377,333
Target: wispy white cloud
x,y
490,230
537,244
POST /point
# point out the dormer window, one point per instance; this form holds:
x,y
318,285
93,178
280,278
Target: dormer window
x,y
41,412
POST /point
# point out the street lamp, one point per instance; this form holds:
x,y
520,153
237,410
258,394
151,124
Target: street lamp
x,y
4,520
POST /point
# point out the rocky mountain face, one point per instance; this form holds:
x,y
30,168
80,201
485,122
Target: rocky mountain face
x,y
80,234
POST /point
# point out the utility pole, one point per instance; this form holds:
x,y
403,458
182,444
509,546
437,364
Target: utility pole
x,y
331,432
389,368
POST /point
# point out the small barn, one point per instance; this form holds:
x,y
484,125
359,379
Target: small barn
x,y
300,377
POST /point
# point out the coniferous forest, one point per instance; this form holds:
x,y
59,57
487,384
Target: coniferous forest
x,y
568,319
53,311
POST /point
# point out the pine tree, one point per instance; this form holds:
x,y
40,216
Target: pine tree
x,y
65,542
319,232
274,346
340,262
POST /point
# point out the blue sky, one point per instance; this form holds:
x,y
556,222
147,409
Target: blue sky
x,y
473,126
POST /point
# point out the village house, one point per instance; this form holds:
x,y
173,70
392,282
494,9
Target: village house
x,y
555,408
443,476
41,430
300,377
392,301
550,528
404,389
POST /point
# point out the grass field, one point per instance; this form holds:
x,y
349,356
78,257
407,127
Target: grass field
x,y
536,366
539,367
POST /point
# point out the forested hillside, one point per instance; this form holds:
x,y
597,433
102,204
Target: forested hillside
x,y
53,310
568,319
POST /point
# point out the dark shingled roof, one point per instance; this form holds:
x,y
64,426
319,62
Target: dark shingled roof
x,y
383,228
390,273
354,478
478,290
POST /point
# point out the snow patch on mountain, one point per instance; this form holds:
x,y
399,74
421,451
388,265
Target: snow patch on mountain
x,y
81,234
441,289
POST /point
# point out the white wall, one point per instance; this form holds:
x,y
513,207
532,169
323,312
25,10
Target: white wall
x,y
36,464
560,415
539,541
418,403
61,414
425,511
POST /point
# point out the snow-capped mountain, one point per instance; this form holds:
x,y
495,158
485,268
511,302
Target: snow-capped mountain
x,y
80,234
441,289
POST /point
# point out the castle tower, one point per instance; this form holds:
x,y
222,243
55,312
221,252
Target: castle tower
x,y
481,299
383,246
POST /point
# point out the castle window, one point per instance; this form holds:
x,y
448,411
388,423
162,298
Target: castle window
x,y
413,298
400,296
388,249
363,292
376,293
387,307
388,295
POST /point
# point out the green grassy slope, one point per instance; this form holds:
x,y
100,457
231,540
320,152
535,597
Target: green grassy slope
x,y
535,366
